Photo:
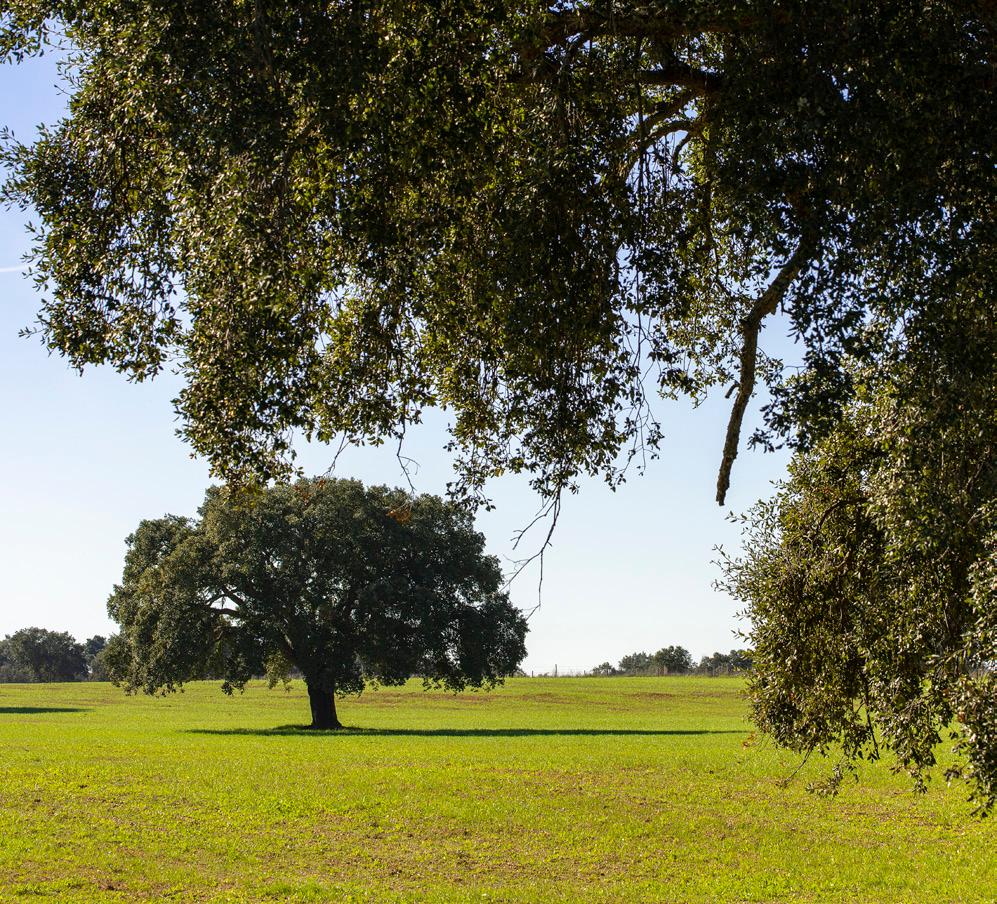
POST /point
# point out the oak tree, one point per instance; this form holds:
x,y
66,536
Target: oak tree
x,y
673,660
344,583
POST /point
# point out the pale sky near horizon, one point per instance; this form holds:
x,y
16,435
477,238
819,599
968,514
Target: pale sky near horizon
x,y
86,458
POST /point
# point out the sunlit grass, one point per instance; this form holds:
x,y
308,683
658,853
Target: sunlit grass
x,y
543,790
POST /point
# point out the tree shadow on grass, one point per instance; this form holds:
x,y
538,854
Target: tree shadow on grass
x,y
304,730
36,710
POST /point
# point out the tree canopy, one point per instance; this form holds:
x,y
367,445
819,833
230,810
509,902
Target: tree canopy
x,y
37,654
671,660
344,583
732,662
676,660
332,215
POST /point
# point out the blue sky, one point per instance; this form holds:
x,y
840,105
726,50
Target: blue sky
x,y
86,457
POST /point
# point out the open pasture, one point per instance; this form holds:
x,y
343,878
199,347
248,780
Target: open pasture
x,y
543,790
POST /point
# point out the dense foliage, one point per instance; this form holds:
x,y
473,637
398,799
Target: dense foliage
x,y
729,663
344,583
871,577
333,215
93,652
36,654
666,661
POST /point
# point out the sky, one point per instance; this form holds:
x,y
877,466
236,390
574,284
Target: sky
x,y
86,457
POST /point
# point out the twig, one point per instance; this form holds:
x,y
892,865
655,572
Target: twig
x,y
552,510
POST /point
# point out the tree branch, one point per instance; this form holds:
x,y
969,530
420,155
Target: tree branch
x,y
650,130
553,510
766,304
663,26
286,648
230,594
234,613
838,503
689,126
675,72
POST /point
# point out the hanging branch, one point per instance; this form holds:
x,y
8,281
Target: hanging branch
x,y
766,304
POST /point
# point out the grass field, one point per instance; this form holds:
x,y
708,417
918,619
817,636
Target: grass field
x,y
543,790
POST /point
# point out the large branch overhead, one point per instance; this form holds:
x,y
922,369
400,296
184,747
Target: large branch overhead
x,y
660,25
683,75
764,305
663,120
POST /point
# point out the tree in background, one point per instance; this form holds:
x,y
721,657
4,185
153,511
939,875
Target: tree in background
x,y
10,671
675,660
345,583
672,661
93,650
636,664
725,663
36,654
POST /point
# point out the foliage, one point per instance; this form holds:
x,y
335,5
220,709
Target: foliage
x,y
93,646
605,670
9,669
36,654
635,664
93,650
345,583
676,660
543,792
335,215
673,660
871,577
725,663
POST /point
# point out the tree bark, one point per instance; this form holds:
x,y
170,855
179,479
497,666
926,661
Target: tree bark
x,y
323,704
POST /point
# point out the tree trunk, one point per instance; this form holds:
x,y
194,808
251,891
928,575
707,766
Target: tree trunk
x,y
323,704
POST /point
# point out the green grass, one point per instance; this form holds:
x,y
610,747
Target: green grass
x,y
544,790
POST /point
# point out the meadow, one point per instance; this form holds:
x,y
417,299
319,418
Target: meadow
x,y
564,789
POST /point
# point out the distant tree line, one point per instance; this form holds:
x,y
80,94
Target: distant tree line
x,y
675,660
36,654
